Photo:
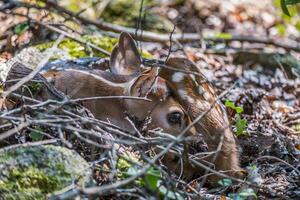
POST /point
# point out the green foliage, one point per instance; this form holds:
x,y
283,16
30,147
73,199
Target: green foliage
x,y
78,50
36,134
122,12
243,195
288,10
126,13
281,29
1,87
21,28
34,172
219,36
284,8
225,182
35,87
291,2
231,104
285,3
240,123
151,180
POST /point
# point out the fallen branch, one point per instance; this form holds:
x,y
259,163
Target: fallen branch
x,y
181,37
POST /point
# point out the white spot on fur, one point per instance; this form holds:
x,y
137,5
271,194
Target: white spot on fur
x,y
184,95
206,96
177,77
190,99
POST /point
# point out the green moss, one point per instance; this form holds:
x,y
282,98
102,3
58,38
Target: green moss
x,y
33,178
35,87
126,13
78,50
34,172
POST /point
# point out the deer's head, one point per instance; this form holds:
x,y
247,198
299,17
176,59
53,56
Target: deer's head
x,y
198,98
165,110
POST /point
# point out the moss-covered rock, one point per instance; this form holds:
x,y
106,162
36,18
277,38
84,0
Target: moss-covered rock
x,y
35,172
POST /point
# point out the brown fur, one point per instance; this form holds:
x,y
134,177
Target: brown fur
x,y
214,126
128,78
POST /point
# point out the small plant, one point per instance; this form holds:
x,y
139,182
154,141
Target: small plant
x,y
285,3
243,195
21,28
152,179
225,182
36,134
240,123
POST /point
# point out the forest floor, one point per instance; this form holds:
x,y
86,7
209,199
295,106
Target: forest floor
x,y
234,50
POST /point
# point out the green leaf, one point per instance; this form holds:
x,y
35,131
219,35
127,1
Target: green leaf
x,y
241,125
281,29
284,7
170,194
225,182
36,134
247,192
229,104
291,2
21,28
239,109
132,171
223,36
151,178
297,25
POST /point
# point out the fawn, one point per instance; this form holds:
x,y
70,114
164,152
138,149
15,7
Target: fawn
x,y
177,98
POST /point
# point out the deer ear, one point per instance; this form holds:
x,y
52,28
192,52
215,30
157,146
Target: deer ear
x,y
141,86
125,58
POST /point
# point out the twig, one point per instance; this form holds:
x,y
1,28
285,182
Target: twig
x,y
14,130
29,144
170,47
108,97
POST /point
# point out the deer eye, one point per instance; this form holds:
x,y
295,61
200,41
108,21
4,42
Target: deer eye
x,y
175,118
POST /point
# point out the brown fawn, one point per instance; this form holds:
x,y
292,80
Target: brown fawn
x,y
176,99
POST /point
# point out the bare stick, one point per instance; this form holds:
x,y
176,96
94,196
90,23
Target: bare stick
x,y
12,131
29,144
